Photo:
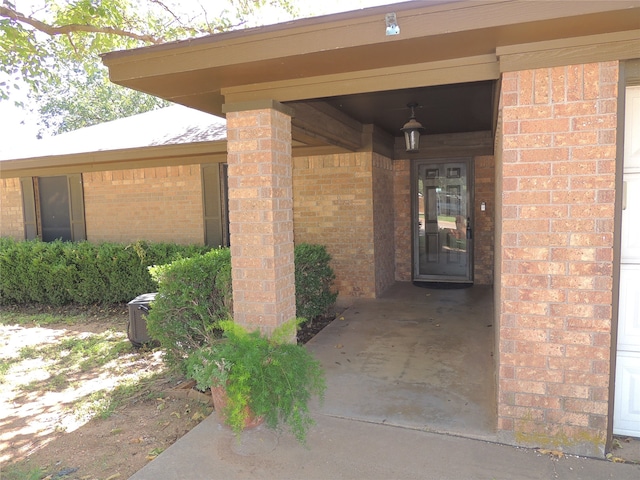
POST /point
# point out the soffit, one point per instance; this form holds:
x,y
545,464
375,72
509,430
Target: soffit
x,y
194,72
349,62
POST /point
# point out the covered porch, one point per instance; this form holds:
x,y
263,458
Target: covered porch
x,y
419,358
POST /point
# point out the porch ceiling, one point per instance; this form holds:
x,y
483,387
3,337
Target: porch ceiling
x,y
349,62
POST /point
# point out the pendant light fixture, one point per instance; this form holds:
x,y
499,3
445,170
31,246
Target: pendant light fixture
x,y
412,130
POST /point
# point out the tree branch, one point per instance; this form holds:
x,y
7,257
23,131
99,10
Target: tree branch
x,y
74,28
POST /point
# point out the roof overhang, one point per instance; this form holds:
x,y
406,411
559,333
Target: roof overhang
x,y
126,158
349,53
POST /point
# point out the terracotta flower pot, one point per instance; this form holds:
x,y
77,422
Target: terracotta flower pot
x,y
219,397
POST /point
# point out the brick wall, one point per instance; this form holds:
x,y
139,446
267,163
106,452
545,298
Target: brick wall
x,y
333,206
484,222
383,222
559,150
160,204
261,218
402,226
11,216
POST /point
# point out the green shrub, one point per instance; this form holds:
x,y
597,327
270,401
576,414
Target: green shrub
x,y
314,279
264,376
59,273
193,295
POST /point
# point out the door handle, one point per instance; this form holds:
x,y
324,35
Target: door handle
x,y
624,195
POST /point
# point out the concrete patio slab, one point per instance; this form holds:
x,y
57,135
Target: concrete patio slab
x,y
399,368
418,358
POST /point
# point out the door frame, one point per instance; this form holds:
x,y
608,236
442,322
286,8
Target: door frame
x,y
629,75
415,164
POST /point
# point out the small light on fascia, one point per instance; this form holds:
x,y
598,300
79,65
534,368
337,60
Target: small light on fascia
x,y
392,24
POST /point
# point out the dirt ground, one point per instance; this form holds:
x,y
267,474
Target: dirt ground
x,y
89,422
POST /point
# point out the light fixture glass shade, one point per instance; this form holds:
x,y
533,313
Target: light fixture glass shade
x,y
412,130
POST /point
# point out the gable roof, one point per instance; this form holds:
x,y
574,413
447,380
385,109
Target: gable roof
x,y
166,133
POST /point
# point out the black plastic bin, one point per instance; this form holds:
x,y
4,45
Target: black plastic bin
x,y
137,325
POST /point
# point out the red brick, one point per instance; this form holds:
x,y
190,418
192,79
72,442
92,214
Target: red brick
x,y
545,126
539,322
574,82
594,151
546,295
541,268
558,87
586,379
544,349
574,168
528,169
573,254
573,225
568,391
545,239
544,183
570,364
574,109
567,418
540,401
544,154
539,375
527,112
522,386
537,211
589,324
525,198
520,360
585,406
570,310
532,225
593,122
526,308
575,139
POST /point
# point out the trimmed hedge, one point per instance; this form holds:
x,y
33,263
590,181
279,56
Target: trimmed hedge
x,y
194,294
59,273
314,280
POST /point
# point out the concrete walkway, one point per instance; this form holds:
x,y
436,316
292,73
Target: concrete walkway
x,y
348,449
399,369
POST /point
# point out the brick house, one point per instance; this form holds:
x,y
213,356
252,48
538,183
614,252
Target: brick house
x,y
526,178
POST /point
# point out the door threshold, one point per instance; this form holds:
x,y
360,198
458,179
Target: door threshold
x,y
442,285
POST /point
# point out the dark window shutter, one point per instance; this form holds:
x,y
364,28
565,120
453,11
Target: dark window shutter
x,y
211,196
76,206
29,209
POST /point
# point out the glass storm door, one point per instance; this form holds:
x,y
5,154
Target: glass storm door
x,y
443,235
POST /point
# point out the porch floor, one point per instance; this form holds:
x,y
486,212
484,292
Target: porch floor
x,y
419,358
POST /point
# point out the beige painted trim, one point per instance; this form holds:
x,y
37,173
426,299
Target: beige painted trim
x,y
459,70
632,72
259,104
570,51
350,29
192,153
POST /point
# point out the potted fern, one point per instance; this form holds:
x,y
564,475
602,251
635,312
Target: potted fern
x,y
264,377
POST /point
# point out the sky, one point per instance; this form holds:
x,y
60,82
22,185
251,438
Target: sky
x,y
19,126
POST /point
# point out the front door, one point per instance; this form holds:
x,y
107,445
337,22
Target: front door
x,y
443,238
626,414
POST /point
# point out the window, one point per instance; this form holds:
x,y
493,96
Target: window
x,y
53,208
215,203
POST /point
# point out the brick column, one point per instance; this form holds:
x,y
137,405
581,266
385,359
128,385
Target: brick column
x,y
558,178
261,217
